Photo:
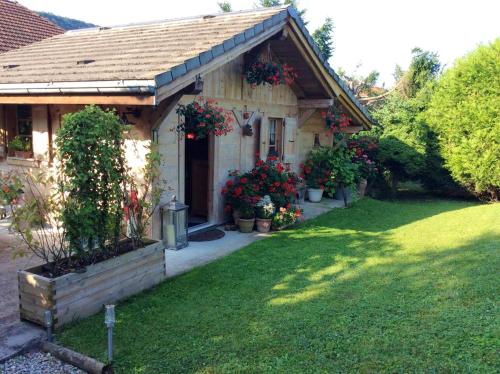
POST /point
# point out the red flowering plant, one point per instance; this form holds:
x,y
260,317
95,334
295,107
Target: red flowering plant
x,y
272,73
317,170
266,178
336,119
364,153
203,117
272,178
239,191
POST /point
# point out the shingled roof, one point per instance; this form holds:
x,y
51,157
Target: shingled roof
x,y
20,26
145,56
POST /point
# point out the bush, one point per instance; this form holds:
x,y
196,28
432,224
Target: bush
x,y
465,113
92,172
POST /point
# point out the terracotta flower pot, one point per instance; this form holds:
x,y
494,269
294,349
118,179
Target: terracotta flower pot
x,y
263,224
315,194
22,154
246,225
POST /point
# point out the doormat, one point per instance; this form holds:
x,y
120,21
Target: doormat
x,y
206,236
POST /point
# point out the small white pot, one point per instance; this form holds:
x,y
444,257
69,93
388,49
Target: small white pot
x,y
315,194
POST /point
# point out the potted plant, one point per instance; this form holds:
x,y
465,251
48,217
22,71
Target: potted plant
x,y
271,73
364,152
318,174
285,217
77,228
265,212
202,118
346,173
247,216
21,147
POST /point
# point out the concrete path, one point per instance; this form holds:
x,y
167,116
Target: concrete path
x,y
201,253
15,336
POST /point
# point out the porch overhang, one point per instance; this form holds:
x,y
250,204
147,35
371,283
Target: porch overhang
x,y
124,92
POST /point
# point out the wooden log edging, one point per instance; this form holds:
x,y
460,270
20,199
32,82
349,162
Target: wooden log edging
x,y
76,359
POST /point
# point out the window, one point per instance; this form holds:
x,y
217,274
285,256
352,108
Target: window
x,y
275,137
25,123
317,142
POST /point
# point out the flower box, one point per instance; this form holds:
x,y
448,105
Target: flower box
x,y
78,295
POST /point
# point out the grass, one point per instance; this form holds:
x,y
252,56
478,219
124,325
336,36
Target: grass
x,y
409,286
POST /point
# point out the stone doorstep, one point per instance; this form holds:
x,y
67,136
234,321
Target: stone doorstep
x,y
18,338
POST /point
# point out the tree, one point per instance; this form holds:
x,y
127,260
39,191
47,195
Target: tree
x,y
361,86
465,113
323,37
424,67
225,6
293,3
407,145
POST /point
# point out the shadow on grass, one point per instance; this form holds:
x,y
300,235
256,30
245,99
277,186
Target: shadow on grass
x,y
341,293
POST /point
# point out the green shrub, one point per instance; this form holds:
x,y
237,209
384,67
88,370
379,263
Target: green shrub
x,y
465,113
92,172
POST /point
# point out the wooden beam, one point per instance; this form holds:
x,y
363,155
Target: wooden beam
x,y
351,129
304,116
315,104
322,74
77,99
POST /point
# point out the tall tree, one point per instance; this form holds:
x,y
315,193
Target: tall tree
x,y
225,6
323,36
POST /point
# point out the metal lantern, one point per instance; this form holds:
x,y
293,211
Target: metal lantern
x,y
174,224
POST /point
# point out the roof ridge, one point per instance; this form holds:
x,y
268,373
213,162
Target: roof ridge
x,y
180,19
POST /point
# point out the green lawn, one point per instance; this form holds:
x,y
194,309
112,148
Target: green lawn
x,y
410,286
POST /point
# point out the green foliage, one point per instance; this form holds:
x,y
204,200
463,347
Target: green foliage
x,y
360,84
424,67
89,149
269,3
18,143
379,287
465,113
225,6
323,36
329,168
36,219
65,22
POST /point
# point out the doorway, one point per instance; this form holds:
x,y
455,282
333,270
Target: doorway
x,y
197,181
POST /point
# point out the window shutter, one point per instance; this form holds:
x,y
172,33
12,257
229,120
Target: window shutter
x,y
264,138
290,137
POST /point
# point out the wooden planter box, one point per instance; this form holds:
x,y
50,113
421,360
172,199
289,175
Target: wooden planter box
x,y
78,295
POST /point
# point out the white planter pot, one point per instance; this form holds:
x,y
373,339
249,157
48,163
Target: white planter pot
x,y
315,194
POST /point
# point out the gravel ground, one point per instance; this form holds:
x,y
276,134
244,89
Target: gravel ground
x,y
37,363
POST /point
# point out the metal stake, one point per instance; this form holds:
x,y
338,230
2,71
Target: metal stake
x,y
109,320
48,324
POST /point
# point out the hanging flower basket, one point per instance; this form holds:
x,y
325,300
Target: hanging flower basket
x,y
336,119
202,118
272,73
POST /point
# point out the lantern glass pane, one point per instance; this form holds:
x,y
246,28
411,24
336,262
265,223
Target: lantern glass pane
x,y
169,228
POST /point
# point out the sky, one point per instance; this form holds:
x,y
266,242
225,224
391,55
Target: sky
x,y
378,34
